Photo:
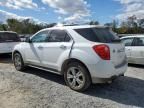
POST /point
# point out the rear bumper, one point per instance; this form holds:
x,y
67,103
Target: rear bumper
x,y
105,71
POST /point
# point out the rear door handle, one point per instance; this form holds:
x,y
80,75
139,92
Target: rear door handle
x,y
63,47
40,47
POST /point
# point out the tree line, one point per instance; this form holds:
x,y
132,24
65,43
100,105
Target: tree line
x,y
26,26
132,25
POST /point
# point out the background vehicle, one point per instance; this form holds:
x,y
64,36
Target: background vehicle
x,y
7,41
82,54
134,46
23,37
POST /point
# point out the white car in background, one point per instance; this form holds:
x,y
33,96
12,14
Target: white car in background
x,y
82,54
134,46
8,40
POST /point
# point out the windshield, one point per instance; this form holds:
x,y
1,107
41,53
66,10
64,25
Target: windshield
x,y
103,35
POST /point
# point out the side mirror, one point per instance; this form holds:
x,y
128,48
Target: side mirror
x,y
28,40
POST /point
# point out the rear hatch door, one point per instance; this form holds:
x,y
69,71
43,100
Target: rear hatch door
x,y
106,36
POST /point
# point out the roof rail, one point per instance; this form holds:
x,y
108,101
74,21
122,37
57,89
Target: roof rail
x,y
60,25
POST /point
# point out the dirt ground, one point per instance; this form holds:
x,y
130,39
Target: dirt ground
x,y
39,89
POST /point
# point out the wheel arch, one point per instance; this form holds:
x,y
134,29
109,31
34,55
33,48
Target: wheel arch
x,y
66,62
16,51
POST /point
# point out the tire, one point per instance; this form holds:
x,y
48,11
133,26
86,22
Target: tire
x,y
77,77
18,62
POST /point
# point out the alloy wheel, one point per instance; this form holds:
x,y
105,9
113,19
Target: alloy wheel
x,y
17,61
75,77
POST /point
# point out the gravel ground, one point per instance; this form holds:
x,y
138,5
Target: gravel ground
x,y
39,89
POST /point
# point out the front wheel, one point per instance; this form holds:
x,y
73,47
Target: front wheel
x,y
18,62
77,77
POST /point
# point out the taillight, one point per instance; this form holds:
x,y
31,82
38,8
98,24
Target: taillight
x,y
103,51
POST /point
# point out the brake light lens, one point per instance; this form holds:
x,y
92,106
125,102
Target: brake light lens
x,y
103,51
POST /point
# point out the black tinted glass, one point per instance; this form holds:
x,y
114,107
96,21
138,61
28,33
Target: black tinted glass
x,y
139,41
40,37
9,37
103,35
127,41
67,38
59,36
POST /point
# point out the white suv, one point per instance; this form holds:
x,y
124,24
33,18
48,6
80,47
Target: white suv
x,y
8,40
82,54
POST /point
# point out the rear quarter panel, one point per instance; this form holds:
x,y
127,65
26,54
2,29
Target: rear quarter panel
x,y
84,53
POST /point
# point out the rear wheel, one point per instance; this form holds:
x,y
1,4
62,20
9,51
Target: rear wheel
x,y
18,62
77,77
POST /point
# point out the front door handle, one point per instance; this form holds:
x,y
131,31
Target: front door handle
x,y
63,47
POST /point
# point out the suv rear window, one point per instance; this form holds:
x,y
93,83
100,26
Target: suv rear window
x,y
9,37
103,35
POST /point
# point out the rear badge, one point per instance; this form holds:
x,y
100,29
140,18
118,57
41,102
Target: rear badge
x,y
114,51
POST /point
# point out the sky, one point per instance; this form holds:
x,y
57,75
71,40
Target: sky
x,y
70,11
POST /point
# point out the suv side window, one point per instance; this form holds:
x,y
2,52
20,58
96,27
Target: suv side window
x,y
67,38
127,41
40,37
139,41
59,36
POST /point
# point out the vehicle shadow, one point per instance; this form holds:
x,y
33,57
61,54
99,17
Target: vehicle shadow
x,y
136,66
46,75
124,90
6,59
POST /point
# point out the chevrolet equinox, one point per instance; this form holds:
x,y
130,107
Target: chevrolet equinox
x,y
82,54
